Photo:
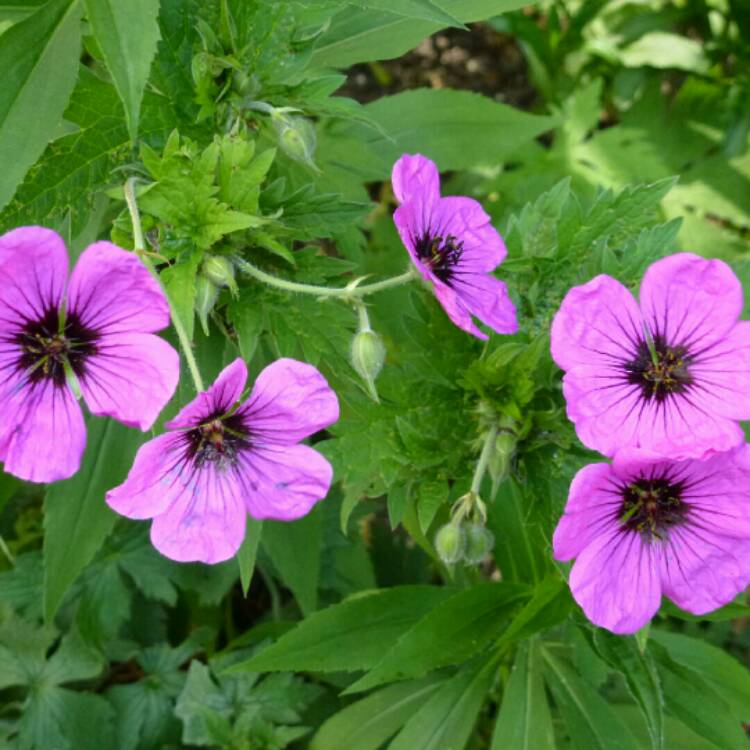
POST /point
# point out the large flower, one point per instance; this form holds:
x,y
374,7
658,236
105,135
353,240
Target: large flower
x,y
98,331
645,526
454,246
223,460
672,376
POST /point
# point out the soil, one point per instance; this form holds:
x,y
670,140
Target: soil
x,y
480,59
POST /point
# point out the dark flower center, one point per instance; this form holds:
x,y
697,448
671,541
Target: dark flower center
x,y
652,506
440,254
660,370
218,441
46,347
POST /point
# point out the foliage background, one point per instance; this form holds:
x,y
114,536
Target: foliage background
x,y
600,135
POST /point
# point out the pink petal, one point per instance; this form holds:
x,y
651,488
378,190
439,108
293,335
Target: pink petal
x,y
42,433
689,300
410,226
111,291
702,571
33,273
591,511
487,298
206,523
289,401
722,375
415,176
456,309
598,324
221,396
616,581
160,476
131,378
483,248
284,482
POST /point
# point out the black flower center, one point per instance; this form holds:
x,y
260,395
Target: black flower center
x,y
652,506
660,369
47,346
440,254
218,440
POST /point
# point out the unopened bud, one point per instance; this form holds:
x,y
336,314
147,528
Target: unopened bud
x,y
368,357
479,542
297,138
502,455
219,270
206,294
450,542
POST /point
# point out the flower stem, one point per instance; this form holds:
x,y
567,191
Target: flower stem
x,y
140,249
484,459
347,293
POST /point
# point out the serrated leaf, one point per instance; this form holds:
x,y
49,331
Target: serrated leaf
x,y
76,518
40,58
179,285
431,496
348,636
524,721
454,631
127,33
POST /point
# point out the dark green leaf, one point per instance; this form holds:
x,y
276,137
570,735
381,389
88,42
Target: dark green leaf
x,y
248,552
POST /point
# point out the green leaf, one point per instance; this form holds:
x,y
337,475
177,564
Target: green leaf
x,y
728,677
432,495
127,34
424,10
457,129
641,676
446,720
694,702
349,636
248,552
524,721
294,549
368,723
454,631
591,721
179,284
76,518
39,57
361,36
247,318
661,49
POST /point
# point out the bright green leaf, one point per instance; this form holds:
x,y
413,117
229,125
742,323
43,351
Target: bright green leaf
x,y
248,552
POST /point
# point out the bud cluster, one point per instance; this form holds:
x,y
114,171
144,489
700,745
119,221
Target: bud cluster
x,y
463,538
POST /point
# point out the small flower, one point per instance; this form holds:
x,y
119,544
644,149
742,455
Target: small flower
x,y
224,459
672,377
96,336
454,246
646,526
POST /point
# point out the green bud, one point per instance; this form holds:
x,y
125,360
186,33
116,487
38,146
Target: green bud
x,y
219,270
502,455
368,357
479,542
206,294
297,137
450,542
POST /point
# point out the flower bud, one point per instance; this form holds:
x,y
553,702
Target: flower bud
x,y
479,542
297,137
502,455
450,542
219,270
368,357
206,294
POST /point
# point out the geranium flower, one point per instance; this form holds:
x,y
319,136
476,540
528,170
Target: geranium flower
x,y
98,331
645,526
223,460
454,246
672,376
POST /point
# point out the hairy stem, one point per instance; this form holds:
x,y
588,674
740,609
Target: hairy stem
x,y
140,249
484,459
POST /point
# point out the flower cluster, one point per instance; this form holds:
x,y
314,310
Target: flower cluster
x,y
660,388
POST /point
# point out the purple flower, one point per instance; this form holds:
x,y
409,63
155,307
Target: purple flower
x,y
453,245
672,376
645,526
98,330
224,460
